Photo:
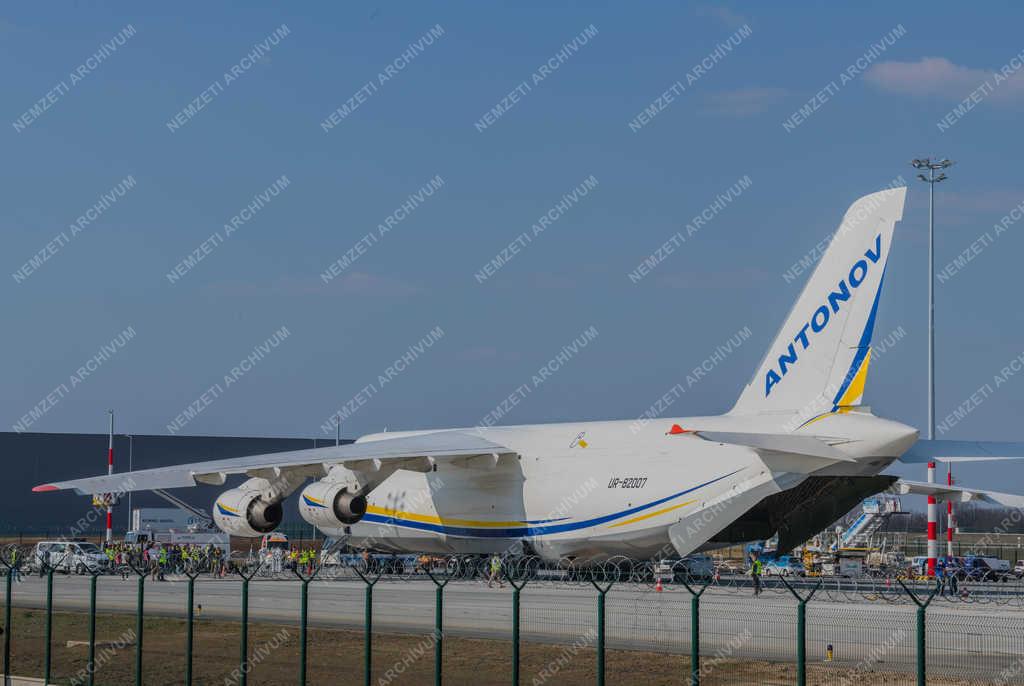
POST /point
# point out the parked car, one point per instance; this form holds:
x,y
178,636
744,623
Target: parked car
x,y
80,557
685,569
784,566
1018,569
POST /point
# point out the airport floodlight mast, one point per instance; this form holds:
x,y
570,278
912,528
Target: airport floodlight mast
x,y
131,440
931,179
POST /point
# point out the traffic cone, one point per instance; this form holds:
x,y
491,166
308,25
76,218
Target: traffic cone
x,y
658,587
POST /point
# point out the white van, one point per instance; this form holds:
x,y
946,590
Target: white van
x,y
80,557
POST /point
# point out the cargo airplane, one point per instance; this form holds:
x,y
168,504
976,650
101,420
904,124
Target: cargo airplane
x,y
795,453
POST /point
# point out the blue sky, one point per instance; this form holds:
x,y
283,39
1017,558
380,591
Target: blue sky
x,y
418,124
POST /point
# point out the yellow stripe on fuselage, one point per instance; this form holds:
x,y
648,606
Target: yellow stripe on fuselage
x,y
433,519
652,514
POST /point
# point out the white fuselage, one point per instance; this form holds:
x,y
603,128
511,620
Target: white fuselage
x,y
595,490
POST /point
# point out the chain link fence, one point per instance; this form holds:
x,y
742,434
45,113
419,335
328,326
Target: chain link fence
x,y
431,619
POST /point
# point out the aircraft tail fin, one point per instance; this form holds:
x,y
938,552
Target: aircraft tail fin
x,y
818,362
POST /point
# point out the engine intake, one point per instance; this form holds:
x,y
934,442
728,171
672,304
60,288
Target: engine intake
x,y
326,504
241,512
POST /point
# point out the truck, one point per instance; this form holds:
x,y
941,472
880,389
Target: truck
x,y
981,568
217,540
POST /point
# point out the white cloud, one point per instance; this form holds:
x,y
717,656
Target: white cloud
x,y
939,77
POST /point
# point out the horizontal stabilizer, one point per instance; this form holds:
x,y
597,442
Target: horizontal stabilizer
x,y
958,494
792,444
963,451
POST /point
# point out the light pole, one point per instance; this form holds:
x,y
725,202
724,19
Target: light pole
x,y
931,179
130,451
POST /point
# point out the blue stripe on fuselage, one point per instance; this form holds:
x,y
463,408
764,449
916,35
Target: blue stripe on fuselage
x,y
519,532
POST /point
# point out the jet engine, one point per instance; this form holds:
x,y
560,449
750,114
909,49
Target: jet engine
x,y
328,504
245,512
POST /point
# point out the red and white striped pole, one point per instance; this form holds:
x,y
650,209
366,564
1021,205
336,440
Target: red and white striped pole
x,y
110,470
933,523
949,512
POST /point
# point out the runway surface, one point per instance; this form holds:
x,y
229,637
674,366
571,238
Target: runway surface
x,y
968,640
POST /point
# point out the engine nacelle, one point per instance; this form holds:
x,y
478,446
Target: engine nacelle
x,y
328,504
242,512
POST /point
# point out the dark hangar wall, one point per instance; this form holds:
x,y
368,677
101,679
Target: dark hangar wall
x,y
30,459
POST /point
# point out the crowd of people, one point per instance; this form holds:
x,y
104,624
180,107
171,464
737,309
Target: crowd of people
x,y
277,560
160,559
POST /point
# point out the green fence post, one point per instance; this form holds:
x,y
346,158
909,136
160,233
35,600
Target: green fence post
x,y
304,619
695,631
91,664
601,593
7,627
243,661
243,657
516,589
438,633
139,607
190,625
140,572
515,634
368,632
600,639
921,643
303,628
801,630
438,626
801,641
12,559
921,647
370,582
49,626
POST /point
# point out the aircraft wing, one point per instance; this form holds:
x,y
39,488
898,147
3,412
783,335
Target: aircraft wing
x,y
944,493
417,453
962,451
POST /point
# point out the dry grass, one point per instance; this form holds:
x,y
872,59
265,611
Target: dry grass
x,y
336,656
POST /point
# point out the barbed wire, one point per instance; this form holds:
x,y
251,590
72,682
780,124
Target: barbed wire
x,y
653,576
